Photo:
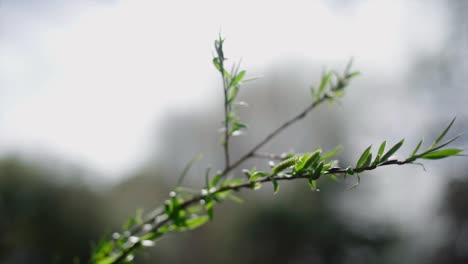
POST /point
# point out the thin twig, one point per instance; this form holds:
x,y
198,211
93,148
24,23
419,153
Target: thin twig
x,y
226,123
276,132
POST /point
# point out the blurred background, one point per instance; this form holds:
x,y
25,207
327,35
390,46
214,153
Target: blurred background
x,y
103,103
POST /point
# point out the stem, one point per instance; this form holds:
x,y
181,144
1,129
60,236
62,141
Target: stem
x,y
226,123
285,125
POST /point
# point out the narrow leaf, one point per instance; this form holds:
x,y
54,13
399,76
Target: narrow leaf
x,y
392,150
284,165
417,148
324,83
368,161
440,154
257,175
215,180
382,148
443,134
237,79
313,185
275,185
233,94
363,157
332,153
197,222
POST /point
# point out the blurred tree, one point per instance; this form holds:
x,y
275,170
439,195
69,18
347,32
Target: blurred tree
x,y
42,219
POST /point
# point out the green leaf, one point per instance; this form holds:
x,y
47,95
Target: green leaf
x,y
353,74
392,150
152,236
233,94
332,153
234,182
237,126
368,161
237,79
257,186
443,134
193,223
258,175
108,260
332,177
440,154
377,160
284,165
324,83
307,160
326,166
234,198
363,157
275,185
313,184
417,148
209,209
381,149
215,180
302,161
318,171
217,64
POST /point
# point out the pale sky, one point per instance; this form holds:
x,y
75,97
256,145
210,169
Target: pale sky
x,y
89,81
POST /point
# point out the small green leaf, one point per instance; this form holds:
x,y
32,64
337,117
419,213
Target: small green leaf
x,y
257,186
324,82
215,180
307,160
233,94
275,185
209,209
417,148
318,171
257,175
197,222
332,177
363,157
440,154
353,74
237,79
368,161
233,182
443,134
108,260
152,236
377,160
217,64
234,198
381,149
237,126
313,185
392,150
284,165
326,166
332,153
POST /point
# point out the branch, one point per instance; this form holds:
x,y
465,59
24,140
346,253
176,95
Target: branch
x,y
269,137
238,187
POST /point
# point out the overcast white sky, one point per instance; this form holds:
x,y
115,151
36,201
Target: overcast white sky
x,y
89,80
